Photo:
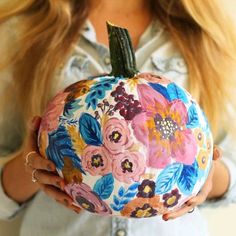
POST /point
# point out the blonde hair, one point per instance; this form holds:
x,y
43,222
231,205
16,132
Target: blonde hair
x,y
200,29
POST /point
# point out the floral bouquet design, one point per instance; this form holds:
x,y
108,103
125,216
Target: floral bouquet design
x,y
128,144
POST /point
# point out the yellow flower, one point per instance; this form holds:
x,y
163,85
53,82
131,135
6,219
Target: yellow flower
x,y
202,159
199,135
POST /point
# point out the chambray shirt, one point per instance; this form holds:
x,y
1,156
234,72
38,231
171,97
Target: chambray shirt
x,y
44,216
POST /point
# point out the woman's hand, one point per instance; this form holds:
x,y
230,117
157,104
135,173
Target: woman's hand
x,y
189,206
43,171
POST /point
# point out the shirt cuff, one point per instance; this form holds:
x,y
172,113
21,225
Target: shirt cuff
x,y
8,207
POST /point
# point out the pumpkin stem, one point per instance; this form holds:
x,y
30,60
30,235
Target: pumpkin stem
x,y
121,52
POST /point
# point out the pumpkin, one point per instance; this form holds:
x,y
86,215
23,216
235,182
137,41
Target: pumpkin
x,y
127,143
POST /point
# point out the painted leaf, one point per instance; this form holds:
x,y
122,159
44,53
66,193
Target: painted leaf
x,y
168,177
115,207
121,191
90,130
133,187
60,146
104,186
71,107
175,92
161,89
193,119
188,178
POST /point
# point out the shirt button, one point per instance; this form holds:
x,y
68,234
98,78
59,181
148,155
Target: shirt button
x,y
107,60
120,232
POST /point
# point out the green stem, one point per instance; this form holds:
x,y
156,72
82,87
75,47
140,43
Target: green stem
x,y
121,52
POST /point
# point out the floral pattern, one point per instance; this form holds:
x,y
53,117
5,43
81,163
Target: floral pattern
x,y
117,135
162,128
96,160
87,199
133,147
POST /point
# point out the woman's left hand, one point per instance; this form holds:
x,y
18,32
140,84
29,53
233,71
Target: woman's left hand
x,y
189,206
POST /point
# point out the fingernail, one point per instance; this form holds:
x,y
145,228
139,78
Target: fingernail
x,y
77,211
165,217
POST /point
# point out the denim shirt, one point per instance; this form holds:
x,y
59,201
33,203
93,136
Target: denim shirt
x,y
44,216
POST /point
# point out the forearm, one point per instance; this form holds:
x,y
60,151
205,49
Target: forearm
x,y
221,180
17,182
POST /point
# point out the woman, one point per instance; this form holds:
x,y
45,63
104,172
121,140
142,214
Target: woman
x,y
65,41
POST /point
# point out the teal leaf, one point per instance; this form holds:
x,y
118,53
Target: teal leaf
x,y
168,177
188,178
193,118
71,107
175,92
90,130
104,186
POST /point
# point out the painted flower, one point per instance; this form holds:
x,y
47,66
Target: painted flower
x,y
209,144
152,78
84,197
128,166
54,109
162,129
171,199
202,159
199,135
143,207
117,136
96,160
146,189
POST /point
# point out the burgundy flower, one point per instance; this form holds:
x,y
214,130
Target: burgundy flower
x,y
171,199
146,189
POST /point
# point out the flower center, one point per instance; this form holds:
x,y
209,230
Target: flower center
x,y
145,211
126,165
115,136
166,126
97,160
171,200
147,189
85,204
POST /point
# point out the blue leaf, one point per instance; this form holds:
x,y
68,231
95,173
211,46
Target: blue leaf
x,y
188,178
116,208
104,186
116,200
193,118
60,146
168,178
121,191
124,201
175,92
90,130
130,194
161,89
133,187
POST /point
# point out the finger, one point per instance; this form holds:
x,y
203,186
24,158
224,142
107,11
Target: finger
x,y
182,211
35,161
57,194
45,177
217,152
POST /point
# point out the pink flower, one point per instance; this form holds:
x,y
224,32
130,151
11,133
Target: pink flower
x,y
128,166
84,197
96,160
117,137
54,109
162,129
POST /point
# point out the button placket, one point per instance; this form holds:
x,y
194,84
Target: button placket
x,y
119,226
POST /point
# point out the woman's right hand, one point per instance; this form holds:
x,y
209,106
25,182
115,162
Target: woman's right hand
x,y
44,170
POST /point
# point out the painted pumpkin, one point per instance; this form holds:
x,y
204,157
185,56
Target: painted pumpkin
x,y
128,144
